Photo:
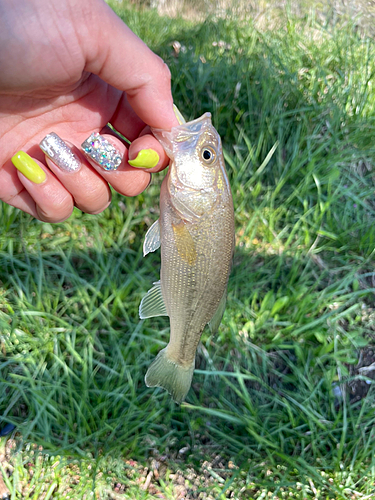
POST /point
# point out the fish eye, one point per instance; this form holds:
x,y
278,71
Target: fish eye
x,y
208,154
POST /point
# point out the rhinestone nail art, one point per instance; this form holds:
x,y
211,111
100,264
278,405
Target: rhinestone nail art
x,y
102,152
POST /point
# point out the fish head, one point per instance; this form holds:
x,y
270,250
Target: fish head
x,y
197,171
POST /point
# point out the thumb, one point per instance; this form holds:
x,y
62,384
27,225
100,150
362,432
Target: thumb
x,y
124,61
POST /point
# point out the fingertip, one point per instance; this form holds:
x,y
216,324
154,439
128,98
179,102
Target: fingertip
x,y
53,203
146,158
137,183
29,168
104,207
147,153
47,217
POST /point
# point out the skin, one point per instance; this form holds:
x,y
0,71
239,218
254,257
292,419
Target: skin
x,y
70,67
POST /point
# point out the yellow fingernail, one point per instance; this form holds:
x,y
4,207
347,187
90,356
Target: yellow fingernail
x,y
146,158
28,167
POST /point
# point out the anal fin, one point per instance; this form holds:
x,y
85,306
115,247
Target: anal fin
x,y
152,303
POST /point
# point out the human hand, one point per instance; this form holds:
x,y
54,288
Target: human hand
x,y
70,67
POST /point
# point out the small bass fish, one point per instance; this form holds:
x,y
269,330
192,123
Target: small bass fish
x,y
196,235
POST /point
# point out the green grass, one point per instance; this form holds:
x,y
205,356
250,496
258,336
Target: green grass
x,y
295,109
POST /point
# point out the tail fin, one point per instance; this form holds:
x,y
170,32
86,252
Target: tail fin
x,y
172,377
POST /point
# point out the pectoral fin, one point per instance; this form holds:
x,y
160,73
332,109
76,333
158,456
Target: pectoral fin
x,y
218,316
152,303
152,239
184,243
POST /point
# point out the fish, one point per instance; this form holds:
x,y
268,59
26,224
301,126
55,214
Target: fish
x,y
195,233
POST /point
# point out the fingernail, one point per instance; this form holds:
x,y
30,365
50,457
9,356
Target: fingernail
x,y
146,158
60,153
28,167
102,152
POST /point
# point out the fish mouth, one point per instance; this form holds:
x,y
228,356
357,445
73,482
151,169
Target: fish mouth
x,y
185,135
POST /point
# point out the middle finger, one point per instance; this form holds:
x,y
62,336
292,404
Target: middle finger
x,y
109,156
90,192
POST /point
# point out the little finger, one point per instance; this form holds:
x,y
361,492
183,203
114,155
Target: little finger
x,y
53,203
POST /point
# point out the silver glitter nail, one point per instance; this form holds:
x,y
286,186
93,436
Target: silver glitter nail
x,y
102,152
60,153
